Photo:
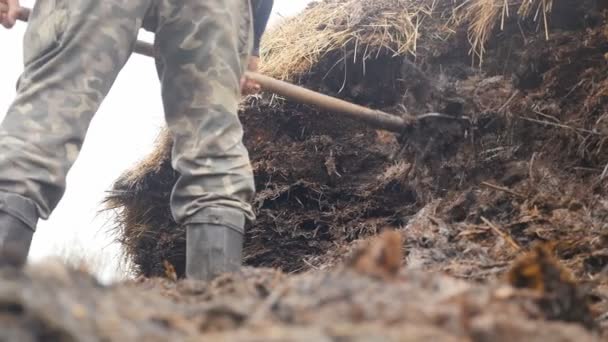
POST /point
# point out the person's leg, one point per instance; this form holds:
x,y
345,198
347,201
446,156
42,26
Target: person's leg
x,y
202,48
73,51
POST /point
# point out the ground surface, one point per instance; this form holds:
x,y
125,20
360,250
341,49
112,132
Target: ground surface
x,y
501,221
50,303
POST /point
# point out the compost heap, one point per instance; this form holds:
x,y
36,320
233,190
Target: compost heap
x,y
487,228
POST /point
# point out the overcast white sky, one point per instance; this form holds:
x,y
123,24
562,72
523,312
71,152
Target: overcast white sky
x,y
121,134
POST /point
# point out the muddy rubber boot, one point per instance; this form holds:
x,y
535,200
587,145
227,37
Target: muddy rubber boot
x,y
18,220
15,240
212,250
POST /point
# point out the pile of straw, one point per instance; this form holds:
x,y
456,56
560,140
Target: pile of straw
x,y
326,33
482,16
366,29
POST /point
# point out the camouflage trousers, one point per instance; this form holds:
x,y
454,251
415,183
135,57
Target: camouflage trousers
x,y
73,52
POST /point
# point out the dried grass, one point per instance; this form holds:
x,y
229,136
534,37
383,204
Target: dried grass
x,y
483,15
362,29
139,208
365,29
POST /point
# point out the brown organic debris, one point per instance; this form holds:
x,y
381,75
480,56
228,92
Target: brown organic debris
x,y
560,295
381,257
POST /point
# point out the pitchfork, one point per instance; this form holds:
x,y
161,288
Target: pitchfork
x,y
372,117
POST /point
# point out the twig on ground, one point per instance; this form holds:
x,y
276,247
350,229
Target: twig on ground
x,y
267,305
531,166
551,117
576,129
504,106
604,173
503,189
502,234
310,265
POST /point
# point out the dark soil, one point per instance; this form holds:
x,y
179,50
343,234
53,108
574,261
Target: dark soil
x,y
50,303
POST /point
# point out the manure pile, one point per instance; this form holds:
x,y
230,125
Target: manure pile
x,y
494,230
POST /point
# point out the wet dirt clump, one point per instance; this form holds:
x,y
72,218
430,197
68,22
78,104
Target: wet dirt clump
x,y
366,299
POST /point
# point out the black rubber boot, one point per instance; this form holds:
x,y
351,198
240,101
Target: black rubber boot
x,y
15,240
212,250
18,220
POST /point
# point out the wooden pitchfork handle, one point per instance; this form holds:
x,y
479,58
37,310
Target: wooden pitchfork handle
x,y
141,47
374,118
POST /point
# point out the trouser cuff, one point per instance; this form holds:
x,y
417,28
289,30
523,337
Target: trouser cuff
x,y
228,217
19,207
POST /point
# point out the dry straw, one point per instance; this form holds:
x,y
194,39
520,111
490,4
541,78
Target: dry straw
x,y
482,16
364,29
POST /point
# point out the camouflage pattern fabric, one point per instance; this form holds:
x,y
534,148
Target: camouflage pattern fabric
x,y
73,51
